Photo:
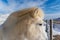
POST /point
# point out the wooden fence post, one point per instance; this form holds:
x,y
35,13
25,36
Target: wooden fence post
x,y
46,26
51,26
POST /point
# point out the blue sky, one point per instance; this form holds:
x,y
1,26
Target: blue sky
x,y
51,8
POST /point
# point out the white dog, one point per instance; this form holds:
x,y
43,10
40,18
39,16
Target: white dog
x,y
26,24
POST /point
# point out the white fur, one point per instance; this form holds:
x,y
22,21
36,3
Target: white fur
x,y
25,27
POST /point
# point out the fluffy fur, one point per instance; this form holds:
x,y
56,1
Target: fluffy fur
x,y
26,24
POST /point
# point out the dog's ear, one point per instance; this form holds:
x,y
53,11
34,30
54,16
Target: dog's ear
x,y
40,13
37,13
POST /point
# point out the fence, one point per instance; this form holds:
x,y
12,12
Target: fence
x,y
51,26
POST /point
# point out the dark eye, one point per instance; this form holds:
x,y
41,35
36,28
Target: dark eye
x,y
40,24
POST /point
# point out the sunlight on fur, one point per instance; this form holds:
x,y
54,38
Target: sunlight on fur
x,y
26,24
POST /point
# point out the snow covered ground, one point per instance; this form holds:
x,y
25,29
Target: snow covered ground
x,y
56,29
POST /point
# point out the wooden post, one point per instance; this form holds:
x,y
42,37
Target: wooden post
x,y
51,26
46,26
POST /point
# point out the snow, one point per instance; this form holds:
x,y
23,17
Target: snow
x,y
56,29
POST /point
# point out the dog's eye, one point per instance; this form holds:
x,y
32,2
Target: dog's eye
x,y
40,24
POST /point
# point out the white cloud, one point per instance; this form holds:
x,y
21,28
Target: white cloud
x,y
55,6
12,5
